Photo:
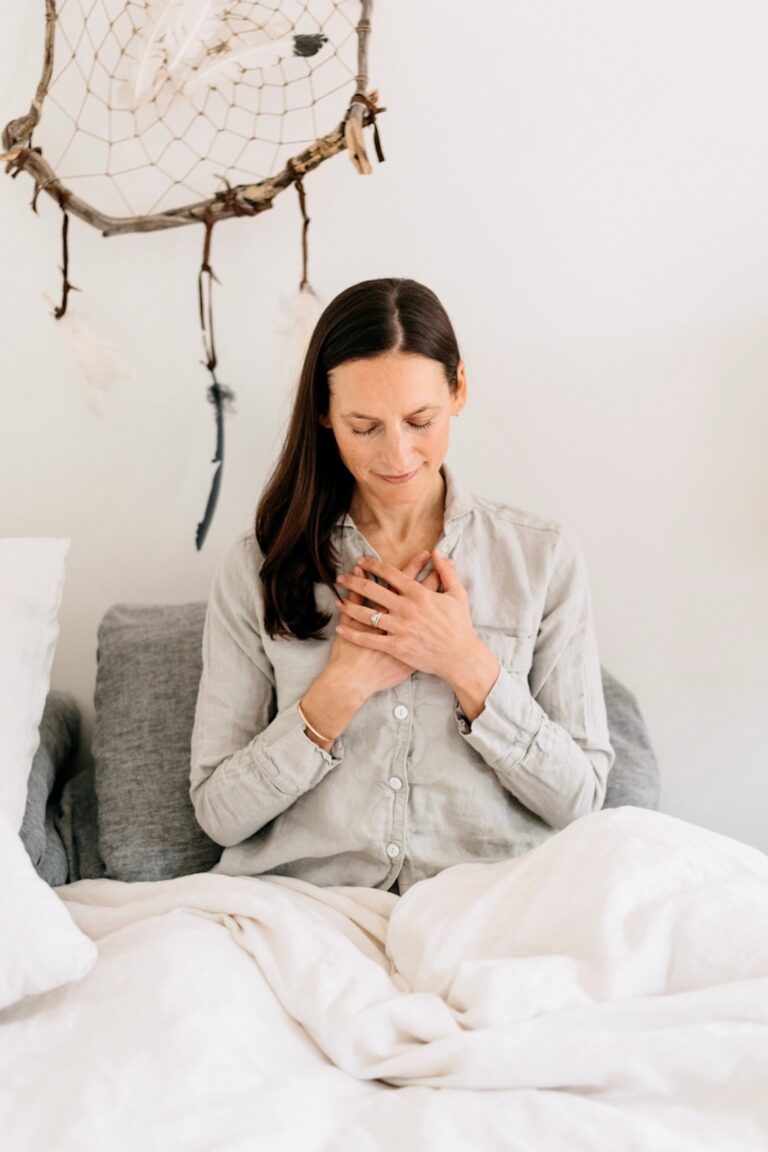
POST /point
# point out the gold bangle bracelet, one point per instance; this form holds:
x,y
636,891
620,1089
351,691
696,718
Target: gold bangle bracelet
x,y
314,731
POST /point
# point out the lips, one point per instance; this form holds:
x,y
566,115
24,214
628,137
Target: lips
x,y
402,479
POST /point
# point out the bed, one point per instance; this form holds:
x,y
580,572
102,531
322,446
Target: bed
x,y
608,990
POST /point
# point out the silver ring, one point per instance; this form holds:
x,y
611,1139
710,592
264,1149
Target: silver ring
x,y
375,617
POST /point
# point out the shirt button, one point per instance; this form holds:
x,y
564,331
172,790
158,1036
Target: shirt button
x,y
395,783
393,850
400,712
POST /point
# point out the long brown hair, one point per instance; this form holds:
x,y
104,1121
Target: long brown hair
x,y
310,486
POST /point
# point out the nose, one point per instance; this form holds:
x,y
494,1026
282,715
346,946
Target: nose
x,y
396,453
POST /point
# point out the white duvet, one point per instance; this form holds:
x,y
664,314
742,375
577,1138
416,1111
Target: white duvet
x,y
609,990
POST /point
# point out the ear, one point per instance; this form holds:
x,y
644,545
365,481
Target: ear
x,y
324,421
460,395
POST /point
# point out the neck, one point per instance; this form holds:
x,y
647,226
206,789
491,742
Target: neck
x,y
401,523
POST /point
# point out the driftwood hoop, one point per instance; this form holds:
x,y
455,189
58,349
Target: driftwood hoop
x,y
240,200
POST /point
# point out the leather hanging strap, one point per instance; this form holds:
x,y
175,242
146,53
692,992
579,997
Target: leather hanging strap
x,y
371,104
218,394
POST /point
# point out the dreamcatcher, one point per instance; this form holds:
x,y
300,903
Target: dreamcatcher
x,y
152,114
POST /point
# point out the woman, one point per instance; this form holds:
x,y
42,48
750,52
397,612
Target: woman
x,y
397,676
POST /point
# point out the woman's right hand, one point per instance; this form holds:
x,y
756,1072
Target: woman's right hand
x,y
368,671
353,673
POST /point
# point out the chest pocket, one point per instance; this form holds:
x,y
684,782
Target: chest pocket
x,y
513,645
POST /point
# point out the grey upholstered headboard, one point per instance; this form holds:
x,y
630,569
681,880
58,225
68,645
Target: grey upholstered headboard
x,y
131,818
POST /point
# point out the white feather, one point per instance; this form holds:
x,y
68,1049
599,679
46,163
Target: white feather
x,y
174,38
243,57
99,362
300,316
191,25
148,66
183,42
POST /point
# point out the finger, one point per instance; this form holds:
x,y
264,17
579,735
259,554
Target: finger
x,y
350,596
355,597
447,572
415,564
369,590
393,576
375,640
432,581
387,623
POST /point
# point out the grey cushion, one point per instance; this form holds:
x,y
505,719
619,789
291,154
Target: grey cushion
x,y
77,824
148,671
149,665
59,733
634,777
53,866
39,787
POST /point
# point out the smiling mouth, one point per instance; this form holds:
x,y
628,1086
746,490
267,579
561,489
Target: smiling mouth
x,y
401,478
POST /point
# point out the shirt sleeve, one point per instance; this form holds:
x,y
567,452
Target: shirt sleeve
x,y
249,762
547,738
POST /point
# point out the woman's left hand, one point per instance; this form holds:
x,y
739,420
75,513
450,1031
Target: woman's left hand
x,y
430,631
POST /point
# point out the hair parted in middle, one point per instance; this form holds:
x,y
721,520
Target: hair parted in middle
x,y
310,486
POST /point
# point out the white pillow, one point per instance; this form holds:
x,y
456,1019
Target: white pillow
x,y
31,583
41,947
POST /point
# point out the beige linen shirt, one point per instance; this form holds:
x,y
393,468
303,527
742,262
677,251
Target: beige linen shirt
x,y
410,787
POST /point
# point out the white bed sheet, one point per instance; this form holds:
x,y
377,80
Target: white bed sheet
x,y
609,990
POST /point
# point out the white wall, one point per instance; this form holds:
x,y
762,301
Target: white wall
x,y
585,186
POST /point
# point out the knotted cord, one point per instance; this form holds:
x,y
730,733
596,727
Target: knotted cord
x,y
218,394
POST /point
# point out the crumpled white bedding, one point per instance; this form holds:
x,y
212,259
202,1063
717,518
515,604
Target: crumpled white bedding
x,y
610,987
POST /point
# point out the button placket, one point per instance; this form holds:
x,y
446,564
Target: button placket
x,y
402,716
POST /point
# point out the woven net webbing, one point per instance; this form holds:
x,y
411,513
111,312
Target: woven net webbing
x,y
137,148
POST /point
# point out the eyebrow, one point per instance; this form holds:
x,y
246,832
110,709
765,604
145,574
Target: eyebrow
x,y
362,415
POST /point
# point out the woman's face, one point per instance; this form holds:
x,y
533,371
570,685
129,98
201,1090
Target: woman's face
x,y
391,417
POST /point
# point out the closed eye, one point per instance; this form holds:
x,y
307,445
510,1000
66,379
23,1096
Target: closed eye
x,y
370,431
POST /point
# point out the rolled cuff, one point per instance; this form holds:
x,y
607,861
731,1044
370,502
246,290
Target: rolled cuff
x,y
292,762
536,759
248,788
507,726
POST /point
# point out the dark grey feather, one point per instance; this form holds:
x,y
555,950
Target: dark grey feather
x,y
308,45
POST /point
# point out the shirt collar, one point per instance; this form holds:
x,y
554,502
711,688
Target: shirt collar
x,y
458,501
